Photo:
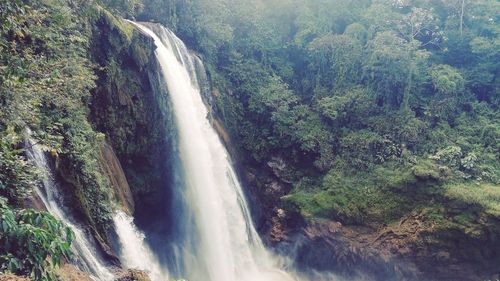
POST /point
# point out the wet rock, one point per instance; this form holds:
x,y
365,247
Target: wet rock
x,y
107,252
278,233
33,201
280,169
274,189
130,106
113,169
404,250
329,246
221,131
133,275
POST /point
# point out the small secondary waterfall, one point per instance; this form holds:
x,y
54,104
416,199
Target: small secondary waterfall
x,y
220,242
134,252
85,256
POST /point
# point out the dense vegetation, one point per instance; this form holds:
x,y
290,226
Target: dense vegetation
x,y
45,83
379,108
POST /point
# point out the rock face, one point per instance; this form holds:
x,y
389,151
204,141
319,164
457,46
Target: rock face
x,y
280,169
33,201
133,115
131,108
113,169
348,251
405,250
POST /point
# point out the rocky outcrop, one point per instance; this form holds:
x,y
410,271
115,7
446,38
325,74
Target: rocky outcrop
x,y
68,272
12,277
347,251
131,159
406,250
273,219
133,275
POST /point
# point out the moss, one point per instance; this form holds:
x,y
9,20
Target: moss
x,y
484,195
465,218
379,196
141,55
124,28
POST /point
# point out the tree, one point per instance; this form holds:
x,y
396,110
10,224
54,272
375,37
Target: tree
x,y
392,68
449,86
447,80
336,60
420,24
128,8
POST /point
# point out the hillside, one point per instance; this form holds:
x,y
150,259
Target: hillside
x,y
366,133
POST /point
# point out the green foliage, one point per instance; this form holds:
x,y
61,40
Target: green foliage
x,y
428,170
16,174
336,60
388,66
127,8
32,243
446,80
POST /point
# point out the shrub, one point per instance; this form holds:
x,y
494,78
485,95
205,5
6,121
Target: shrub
x,y
32,243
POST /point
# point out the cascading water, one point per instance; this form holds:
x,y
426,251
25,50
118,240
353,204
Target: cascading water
x,y
220,242
133,251
85,256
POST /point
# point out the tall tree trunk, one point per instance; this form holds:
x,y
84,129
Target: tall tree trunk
x,y
407,91
462,19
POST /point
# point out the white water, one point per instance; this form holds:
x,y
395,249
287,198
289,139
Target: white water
x,y
85,256
224,245
134,252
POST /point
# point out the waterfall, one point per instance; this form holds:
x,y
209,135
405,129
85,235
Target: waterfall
x,y
134,252
220,242
85,255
